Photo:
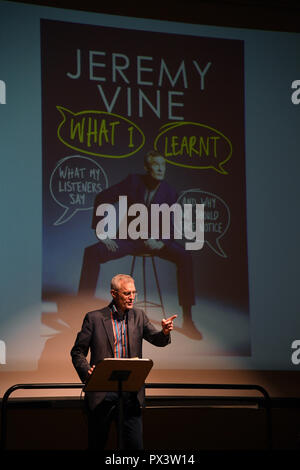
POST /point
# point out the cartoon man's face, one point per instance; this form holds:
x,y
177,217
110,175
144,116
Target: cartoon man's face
x,y
156,167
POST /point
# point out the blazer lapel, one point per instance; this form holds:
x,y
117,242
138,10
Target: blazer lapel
x,y
131,333
108,328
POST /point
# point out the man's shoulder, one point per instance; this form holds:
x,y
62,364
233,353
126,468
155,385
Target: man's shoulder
x,y
137,311
135,179
164,184
98,313
138,314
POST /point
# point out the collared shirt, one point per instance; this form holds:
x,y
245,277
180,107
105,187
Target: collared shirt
x,y
119,324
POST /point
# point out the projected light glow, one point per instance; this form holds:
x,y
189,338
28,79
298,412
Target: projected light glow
x,y
83,98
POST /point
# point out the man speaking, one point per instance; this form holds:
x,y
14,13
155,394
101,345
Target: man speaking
x,y
117,330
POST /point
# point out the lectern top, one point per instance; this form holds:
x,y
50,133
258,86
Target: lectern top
x,y
110,371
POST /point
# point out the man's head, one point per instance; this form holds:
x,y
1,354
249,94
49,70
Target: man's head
x,y
155,165
123,291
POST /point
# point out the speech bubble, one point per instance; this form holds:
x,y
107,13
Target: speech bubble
x,y
74,183
194,145
99,133
216,216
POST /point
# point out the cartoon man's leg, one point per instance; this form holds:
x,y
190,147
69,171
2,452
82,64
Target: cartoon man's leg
x,y
90,270
94,256
185,285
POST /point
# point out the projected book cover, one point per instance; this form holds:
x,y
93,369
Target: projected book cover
x,y
139,129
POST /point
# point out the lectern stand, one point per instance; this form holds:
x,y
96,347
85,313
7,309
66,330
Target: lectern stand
x,y
119,375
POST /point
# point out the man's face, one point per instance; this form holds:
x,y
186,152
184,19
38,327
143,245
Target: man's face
x,y
156,167
125,295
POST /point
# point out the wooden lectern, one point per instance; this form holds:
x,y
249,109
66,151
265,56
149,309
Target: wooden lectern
x,y
119,375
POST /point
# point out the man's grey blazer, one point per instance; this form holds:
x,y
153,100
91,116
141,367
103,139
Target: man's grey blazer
x,y
97,336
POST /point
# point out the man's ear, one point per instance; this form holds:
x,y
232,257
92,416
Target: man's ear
x,y
113,293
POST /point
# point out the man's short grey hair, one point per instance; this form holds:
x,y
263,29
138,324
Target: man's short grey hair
x,y
116,280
